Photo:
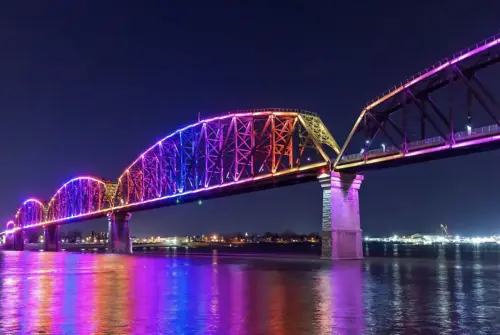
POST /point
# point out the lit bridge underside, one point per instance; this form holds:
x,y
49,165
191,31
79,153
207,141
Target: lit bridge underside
x,y
435,114
225,155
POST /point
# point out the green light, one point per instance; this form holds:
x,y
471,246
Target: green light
x,y
200,202
177,201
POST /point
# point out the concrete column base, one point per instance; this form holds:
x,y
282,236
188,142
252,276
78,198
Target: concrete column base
x,y
8,242
341,235
347,244
326,244
119,233
51,240
18,238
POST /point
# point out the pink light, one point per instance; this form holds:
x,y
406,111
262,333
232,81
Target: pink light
x,y
172,196
10,223
476,141
433,71
75,179
428,150
27,202
202,122
33,200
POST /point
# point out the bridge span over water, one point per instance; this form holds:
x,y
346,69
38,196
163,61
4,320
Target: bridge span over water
x,y
441,112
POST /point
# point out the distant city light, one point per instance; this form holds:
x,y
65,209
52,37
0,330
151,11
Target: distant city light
x,y
434,238
200,202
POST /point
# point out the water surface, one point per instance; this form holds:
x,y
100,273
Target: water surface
x,y
82,293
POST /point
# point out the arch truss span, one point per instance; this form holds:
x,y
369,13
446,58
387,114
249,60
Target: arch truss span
x,y
31,213
80,197
236,148
447,110
10,226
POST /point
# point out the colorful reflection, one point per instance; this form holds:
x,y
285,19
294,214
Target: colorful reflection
x,y
71,293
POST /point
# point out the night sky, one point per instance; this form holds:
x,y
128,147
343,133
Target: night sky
x,y
85,86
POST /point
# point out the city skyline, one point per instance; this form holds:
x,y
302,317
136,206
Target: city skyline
x,y
79,98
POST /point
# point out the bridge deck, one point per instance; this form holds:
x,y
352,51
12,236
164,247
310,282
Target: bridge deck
x,y
423,150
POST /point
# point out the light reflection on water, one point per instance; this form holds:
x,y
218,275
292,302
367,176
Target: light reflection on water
x,y
71,293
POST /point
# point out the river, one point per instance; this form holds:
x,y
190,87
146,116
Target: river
x,y
186,293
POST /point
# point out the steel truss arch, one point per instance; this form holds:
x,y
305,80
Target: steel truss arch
x,y
10,224
227,150
80,196
31,212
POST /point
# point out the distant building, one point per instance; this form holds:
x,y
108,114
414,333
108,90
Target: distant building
x,y
98,236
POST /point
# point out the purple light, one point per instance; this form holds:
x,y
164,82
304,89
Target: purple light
x,y
75,179
173,196
476,141
426,151
402,87
57,209
433,71
203,122
10,224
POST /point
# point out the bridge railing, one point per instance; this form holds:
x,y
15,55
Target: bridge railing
x,y
455,57
432,141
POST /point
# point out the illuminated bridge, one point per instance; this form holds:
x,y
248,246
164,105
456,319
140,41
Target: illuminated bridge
x,y
225,155
444,111
441,112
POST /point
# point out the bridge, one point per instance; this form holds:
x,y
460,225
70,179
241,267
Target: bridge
x,y
253,150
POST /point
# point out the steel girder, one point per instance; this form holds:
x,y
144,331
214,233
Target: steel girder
x,y
227,150
431,112
78,197
242,147
31,212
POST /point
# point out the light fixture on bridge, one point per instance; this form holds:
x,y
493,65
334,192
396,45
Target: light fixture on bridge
x,y
383,147
362,150
367,142
469,129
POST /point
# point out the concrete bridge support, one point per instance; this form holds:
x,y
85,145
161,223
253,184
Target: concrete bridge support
x,y
341,232
19,240
51,241
119,233
14,241
8,242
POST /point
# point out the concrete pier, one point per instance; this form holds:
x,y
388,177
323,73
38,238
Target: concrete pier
x,y
341,231
8,242
14,241
19,240
119,233
51,241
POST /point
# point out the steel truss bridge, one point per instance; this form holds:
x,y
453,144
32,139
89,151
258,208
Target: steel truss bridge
x,y
224,155
441,112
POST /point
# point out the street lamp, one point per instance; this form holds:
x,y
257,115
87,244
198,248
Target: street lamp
x,y
383,147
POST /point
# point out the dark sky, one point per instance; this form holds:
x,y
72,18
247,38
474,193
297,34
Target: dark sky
x,y
85,86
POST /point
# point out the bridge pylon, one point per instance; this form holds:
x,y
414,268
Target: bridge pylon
x,y
341,235
18,240
51,241
119,233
